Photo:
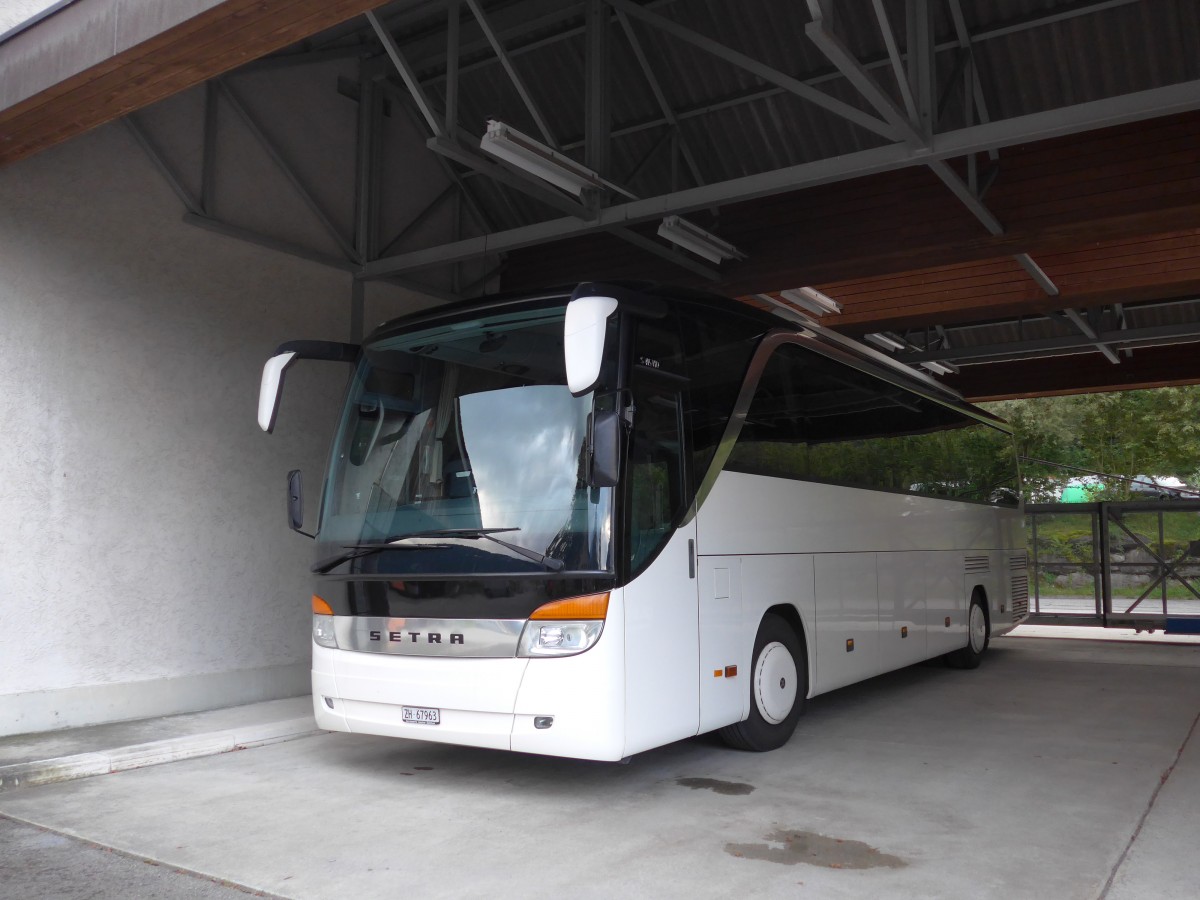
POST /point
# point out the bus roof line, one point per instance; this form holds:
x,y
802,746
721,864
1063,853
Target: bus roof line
x,y
829,336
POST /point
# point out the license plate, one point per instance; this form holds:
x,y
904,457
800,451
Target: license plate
x,y
422,715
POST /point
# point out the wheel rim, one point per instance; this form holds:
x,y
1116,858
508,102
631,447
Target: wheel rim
x,y
978,628
775,682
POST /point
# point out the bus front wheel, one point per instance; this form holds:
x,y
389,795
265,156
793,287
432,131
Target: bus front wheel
x,y
778,688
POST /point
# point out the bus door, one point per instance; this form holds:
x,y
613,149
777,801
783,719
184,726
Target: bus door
x,y
660,597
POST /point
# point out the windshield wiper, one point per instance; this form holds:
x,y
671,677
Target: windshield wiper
x,y
394,543
324,566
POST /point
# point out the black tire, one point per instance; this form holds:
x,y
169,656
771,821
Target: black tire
x,y
978,636
761,732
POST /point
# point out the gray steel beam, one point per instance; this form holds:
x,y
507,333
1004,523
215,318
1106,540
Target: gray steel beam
x,y
208,162
1082,324
837,53
301,252
478,213
659,97
565,12
597,125
365,170
276,156
1080,9
1037,274
845,61
271,243
452,46
573,11
972,87
406,73
451,149
922,58
754,66
156,156
663,140
417,220
825,77
514,77
1143,337
893,55
950,178
1019,129
663,252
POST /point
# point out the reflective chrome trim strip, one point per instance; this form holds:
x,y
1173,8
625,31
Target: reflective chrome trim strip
x,y
491,638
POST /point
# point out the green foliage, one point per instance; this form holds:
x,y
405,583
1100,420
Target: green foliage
x,y
1127,433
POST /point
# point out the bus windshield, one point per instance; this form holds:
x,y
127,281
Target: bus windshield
x,y
461,452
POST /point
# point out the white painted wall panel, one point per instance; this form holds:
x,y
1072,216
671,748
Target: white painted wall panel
x,y
141,509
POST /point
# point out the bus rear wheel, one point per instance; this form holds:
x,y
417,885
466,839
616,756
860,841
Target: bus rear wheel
x,y
778,688
979,633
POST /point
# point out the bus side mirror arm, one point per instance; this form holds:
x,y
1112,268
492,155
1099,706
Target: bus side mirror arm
x,y
271,387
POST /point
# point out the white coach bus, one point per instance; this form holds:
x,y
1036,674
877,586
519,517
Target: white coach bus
x,y
590,523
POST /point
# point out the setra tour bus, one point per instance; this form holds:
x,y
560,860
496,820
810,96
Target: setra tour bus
x,y
588,523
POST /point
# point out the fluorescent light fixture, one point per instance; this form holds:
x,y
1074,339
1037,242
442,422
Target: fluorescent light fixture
x,y
512,146
787,311
879,339
691,237
812,300
939,368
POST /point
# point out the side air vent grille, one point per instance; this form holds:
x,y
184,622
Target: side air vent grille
x,y
977,565
1019,567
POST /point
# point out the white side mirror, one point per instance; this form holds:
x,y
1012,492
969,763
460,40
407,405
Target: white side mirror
x,y
269,389
583,340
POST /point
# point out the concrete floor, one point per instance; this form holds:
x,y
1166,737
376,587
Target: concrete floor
x,y
1029,777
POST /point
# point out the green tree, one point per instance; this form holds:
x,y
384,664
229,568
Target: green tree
x,y
1125,433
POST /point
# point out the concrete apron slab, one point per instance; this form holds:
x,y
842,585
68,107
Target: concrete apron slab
x,y
35,759
1024,778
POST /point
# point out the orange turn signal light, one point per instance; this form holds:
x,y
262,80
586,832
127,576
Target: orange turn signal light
x,y
589,606
320,607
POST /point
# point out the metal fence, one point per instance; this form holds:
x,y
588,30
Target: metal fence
x,y
1132,564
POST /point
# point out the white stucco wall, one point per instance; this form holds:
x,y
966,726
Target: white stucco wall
x,y
145,563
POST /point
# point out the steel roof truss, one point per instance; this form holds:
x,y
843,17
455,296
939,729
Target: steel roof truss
x,y
1132,107
288,172
513,76
742,61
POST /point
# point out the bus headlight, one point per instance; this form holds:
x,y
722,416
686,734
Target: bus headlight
x,y
323,631
323,623
558,638
564,627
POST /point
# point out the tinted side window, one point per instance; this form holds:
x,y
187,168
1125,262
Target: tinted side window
x,y
718,347
815,419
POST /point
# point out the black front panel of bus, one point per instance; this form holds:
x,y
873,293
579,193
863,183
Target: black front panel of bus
x,y
484,598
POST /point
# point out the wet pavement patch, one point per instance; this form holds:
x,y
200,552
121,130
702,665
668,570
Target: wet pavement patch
x,y
731,788
791,847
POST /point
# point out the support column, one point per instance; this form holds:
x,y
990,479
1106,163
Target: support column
x,y
597,125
